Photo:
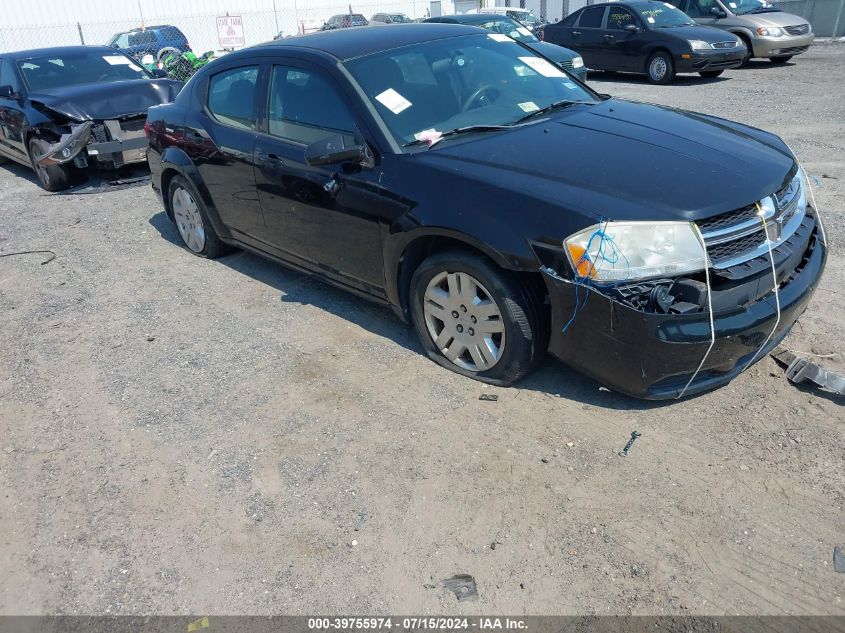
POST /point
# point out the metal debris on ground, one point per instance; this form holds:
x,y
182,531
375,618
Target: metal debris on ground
x,y
106,185
800,370
491,397
839,559
46,261
624,451
462,585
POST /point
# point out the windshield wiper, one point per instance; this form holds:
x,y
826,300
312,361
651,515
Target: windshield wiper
x,y
458,130
563,103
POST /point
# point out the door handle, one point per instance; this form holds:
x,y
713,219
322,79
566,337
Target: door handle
x,y
576,33
270,159
608,36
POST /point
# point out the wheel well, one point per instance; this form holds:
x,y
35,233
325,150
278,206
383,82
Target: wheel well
x,y
166,176
422,248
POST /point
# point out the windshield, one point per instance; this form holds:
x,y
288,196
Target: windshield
x,y
659,15
509,27
400,18
59,71
435,87
740,7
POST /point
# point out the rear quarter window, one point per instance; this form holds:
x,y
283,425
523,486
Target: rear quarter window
x,y
172,33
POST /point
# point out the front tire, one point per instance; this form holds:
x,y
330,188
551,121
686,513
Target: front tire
x,y
748,48
477,319
50,177
780,60
191,218
660,68
710,74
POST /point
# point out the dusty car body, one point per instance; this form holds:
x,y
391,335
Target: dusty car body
x,y
56,125
660,251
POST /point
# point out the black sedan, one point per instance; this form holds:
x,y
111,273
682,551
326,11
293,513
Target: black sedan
x,y
63,109
505,26
502,207
646,37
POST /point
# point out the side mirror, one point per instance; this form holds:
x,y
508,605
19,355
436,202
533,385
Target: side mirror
x,y
631,28
334,150
718,12
6,92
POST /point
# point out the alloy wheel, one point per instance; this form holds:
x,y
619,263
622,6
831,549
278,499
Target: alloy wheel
x,y
188,220
464,321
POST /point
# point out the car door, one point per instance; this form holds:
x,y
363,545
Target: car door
x,y
588,38
12,116
622,49
220,139
326,217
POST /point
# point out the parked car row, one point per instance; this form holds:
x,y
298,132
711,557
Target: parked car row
x,y
460,176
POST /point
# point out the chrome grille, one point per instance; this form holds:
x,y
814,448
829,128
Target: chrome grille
x,y
799,29
738,236
566,65
730,44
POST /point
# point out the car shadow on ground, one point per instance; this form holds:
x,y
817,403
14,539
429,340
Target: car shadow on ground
x,y
603,78
552,377
22,172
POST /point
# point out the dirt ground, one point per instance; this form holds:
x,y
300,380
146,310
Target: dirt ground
x,y
182,436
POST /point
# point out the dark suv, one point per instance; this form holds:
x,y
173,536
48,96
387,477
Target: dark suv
x,y
139,42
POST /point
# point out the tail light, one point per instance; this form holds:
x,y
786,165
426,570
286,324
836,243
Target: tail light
x,y
147,129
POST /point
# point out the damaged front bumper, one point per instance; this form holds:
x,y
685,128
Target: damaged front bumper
x,y
654,355
110,144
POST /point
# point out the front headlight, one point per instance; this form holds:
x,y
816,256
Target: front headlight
x,y
578,62
771,31
699,45
621,251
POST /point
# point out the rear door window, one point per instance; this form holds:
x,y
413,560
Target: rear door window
x,y
139,38
231,96
591,18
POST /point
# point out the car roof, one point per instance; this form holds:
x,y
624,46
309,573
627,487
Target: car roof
x,y
363,40
471,18
60,50
628,3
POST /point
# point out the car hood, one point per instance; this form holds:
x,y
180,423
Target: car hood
x,y
774,18
698,32
112,100
625,160
554,52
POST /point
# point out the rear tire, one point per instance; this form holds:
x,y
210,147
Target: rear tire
x,y
710,74
51,177
191,219
505,309
780,60
660,68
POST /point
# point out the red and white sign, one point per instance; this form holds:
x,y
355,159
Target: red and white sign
x,y
230,31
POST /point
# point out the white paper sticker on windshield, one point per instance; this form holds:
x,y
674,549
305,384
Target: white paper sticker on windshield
x,y
528,106
118,60
732,5
524,31
542,66
499,37
393,101
650,20
134,67
671,6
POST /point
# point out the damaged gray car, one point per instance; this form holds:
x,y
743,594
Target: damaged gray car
x,y
65,109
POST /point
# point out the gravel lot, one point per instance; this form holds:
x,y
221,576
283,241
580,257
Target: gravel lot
x,y
186,436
